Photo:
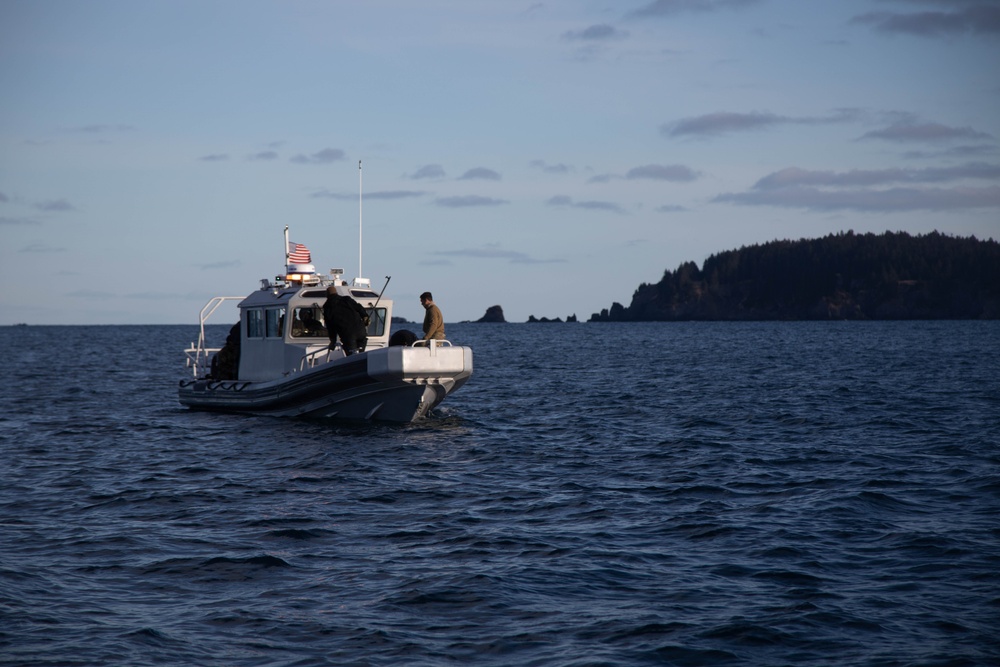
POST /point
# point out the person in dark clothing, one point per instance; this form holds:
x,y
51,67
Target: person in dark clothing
x,y
347,319
306,324
226,363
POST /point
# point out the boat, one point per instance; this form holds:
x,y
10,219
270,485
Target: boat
x,y
278,359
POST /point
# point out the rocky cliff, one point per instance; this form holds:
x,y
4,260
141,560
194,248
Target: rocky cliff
x,y
842,276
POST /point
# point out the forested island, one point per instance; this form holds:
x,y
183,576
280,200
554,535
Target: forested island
x,y
890,276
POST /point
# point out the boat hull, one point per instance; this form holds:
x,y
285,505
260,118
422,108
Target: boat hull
x,y
395,384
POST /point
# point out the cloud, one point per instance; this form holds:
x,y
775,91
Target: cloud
x,y
550,168
874,190
4,198
793,176
480,173
662,172
157,296
325,156
468,201
42,248
658,172
906,131
723,122
214,157
327,194
492,252
92,294
482,253
956,151
394,194
102,129
381,194
563,200
674,7
428,171
263,156
869,200
17,221
599,206
599,32
211,266
980,18
55,205
668,208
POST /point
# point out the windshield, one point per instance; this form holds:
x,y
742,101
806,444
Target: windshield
x,y
307,322
376,322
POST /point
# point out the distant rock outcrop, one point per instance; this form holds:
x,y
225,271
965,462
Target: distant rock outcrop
x,y
532,319
891,276
493,314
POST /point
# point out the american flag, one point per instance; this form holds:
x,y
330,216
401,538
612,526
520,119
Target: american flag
x,y
298,254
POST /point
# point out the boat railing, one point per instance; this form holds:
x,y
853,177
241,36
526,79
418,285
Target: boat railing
x,y
432,343
199,356
321,355
312,358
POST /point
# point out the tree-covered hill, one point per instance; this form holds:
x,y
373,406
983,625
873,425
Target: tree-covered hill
x,y
890,276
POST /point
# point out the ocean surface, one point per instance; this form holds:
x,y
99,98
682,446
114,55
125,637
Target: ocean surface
x,y
597,494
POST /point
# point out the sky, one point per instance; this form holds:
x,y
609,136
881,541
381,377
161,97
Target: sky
x,y
548,157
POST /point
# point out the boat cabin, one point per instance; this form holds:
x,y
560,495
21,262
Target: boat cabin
x,y
282,330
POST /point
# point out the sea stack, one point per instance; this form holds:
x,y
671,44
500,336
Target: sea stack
x,y
493,314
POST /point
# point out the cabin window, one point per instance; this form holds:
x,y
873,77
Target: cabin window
x,y
255,323
376,322
307,322
274,319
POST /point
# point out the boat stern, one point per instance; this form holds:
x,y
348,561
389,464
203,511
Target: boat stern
x,y
433,363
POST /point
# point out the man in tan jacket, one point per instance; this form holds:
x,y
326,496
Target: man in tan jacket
x,y
433,320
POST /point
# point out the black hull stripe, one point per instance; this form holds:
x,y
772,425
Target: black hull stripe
x,y
226,396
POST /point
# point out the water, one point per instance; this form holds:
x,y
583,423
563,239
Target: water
x,y
597,494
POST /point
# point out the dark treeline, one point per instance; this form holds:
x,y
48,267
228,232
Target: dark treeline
x,y
888,276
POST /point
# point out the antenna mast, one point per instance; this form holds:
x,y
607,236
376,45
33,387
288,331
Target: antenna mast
x,y
360,272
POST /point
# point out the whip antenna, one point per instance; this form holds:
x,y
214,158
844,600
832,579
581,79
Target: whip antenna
x,y
387,279
360,272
